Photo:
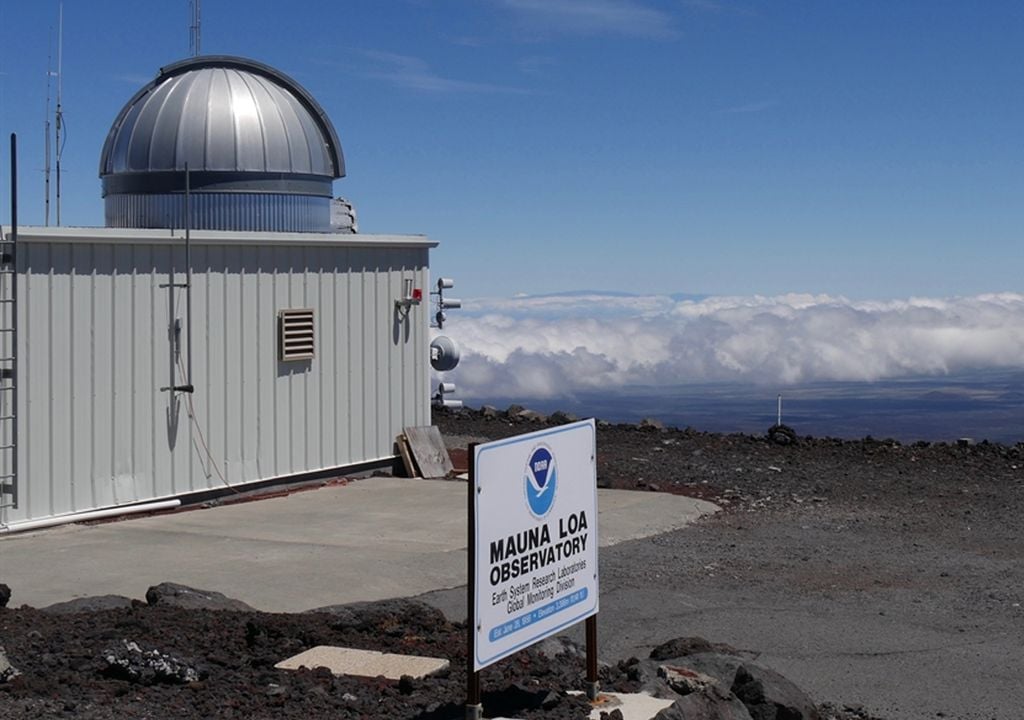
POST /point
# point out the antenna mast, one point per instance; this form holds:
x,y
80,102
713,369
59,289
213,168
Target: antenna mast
x,y
46,165
60,112
193,28
46,125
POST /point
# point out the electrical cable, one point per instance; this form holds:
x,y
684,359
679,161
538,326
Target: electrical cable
x,y
190,409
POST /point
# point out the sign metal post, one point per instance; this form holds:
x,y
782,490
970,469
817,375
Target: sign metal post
x,y
474,709
593,686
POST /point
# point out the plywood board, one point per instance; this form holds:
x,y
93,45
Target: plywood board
x,y
429,452
407,460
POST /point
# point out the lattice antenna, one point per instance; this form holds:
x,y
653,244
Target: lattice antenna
x,y
59,117
194,35
46,127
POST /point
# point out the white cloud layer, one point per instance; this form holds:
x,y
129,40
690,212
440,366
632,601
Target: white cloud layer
x,y
537,347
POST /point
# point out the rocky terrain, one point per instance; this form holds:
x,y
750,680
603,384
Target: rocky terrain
x,y
872,572
188,653
926,529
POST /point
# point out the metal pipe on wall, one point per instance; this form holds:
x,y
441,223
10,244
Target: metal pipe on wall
x,y
14,318
188,275
91,515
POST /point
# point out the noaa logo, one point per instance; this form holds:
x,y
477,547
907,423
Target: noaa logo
x,y
540,480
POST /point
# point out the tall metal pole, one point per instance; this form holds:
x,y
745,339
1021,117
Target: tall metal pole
x,y
46,165
60,111
14,319
193,29
46,130
186,385
188,270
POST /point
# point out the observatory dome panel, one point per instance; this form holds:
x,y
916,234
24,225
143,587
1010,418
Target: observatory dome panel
x,y
278,155
164,139
143,132
237,128
219,141
191,140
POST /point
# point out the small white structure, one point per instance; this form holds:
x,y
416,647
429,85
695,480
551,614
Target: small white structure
x,y
154,362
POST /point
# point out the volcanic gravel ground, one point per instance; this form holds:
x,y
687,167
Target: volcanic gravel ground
x,y
821,544
855,522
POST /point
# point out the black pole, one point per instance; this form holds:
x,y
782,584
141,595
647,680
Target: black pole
x,y
188,275
593,686
592,683
14,185
14,319
474,710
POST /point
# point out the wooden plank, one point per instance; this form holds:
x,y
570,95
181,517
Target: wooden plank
x,y
407,460
429,452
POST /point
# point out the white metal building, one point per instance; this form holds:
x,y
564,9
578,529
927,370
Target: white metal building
x,y
151,361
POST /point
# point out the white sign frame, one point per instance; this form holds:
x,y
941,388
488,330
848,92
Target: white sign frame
x,y
528,582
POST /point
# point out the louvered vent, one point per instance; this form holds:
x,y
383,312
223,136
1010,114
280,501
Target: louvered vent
x,y
295,334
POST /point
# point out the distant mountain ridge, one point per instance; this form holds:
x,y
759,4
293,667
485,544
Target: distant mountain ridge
x,y
980,404
677,297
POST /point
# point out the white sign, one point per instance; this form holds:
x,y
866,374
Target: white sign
x,y
535,539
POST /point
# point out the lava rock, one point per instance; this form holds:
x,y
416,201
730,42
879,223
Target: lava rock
x,y
148,667
719,666
683,646
530,416
651,424
782,435
684,680
489,411
189,598
561,418
769,696
406,685
95,603
7,671
552,647
5,595
713,703
380,615
514,699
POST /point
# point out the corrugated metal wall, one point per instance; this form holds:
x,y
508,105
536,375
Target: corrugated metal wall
x,y
96,347
221,211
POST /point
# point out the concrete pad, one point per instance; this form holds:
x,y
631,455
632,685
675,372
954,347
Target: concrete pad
x,y
631,514
368,540
364,663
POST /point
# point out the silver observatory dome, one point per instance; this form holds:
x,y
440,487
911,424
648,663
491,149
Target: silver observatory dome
x,y
260,152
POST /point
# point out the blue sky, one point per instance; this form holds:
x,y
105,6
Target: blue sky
x,y
866,150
